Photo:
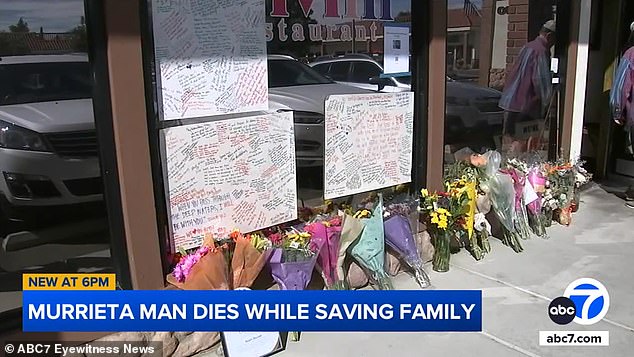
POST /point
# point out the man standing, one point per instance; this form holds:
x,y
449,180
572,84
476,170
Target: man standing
x,y
528,86
622,103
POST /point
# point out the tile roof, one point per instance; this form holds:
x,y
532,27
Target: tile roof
x,y
41,43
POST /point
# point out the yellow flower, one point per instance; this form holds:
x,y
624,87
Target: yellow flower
x,y
442,225
364,213
424,192
443,211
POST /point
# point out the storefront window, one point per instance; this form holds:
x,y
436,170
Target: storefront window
x,y
314,50
53,218
497,96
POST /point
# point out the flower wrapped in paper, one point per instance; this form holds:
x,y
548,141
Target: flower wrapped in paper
x,y
369,249
292,263
325,237
351,229
501,191
204,269
399,236
520,219
249,256
536,217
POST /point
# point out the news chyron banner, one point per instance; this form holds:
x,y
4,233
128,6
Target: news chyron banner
x,y
84,303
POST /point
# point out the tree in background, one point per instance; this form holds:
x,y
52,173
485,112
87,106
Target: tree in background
x,y
80,38
21,27
13,42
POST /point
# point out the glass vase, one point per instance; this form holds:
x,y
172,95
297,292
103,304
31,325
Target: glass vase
x,y
576,200
548,217
442,251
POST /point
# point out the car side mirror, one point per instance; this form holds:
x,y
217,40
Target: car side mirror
x,y
380,82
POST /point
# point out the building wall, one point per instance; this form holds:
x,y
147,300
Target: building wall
x,y
517,29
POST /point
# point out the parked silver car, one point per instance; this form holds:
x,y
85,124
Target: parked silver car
x,y
469,106
294,86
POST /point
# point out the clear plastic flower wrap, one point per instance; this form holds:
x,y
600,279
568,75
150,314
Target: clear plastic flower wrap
x,y
501,192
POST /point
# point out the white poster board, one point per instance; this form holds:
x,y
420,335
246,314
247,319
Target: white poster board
x,y
251,344
235,173
396,49
210,57
368,142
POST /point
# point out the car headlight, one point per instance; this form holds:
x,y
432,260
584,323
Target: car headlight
x,y
463,102
300,117
18,138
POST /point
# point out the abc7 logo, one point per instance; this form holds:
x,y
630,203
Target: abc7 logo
x,y
585,301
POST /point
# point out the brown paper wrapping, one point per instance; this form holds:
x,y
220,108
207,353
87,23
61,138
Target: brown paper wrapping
x,y
210,273
246,264
356,277
392,263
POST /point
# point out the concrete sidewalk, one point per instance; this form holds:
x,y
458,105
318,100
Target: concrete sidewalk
x,y
517,289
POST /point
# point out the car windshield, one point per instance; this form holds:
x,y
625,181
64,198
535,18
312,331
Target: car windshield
x,y
290,73
44,82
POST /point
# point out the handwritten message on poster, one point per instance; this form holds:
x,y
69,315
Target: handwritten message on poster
x,y
235,173
368,142
211,57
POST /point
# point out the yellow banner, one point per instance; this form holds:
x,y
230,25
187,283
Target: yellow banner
x,y
69,281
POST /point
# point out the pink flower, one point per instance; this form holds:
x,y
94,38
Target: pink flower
x,y
276,238
178,274
311,228
336,221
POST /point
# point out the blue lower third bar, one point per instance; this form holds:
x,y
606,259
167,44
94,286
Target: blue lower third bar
x,y
310,310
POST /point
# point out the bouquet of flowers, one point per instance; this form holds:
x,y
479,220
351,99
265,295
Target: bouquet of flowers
x,y
204,269
369,249
326,235
561,187
582,177
520,219
536,217
501,191
249,256
399,236
445,214
467,175
351,228
478,240
292,262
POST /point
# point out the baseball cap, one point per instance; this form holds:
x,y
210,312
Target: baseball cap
x,y
550,25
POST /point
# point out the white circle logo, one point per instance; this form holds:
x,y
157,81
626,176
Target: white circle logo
x,y
591,300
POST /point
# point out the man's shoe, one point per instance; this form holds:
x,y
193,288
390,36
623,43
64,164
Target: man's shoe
x,y
629,194
629,204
